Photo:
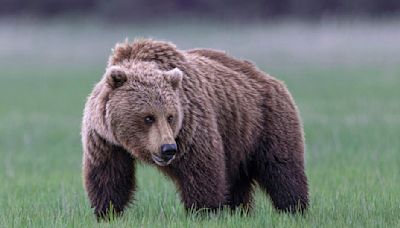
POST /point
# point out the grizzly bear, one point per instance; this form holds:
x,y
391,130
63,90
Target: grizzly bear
x,y
214,124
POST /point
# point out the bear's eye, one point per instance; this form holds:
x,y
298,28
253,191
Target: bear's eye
x,y
149,119
170,119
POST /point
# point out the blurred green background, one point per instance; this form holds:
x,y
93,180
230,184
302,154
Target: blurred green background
x,y
340,60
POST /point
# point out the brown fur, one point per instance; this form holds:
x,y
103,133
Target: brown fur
x,y
233,124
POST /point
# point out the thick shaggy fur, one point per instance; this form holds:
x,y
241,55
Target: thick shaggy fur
x,y
233,124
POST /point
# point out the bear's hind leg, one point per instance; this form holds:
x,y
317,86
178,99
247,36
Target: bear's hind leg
x,y
279,155
286,184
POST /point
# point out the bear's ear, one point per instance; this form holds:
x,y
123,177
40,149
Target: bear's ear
x,y
174,77
115,76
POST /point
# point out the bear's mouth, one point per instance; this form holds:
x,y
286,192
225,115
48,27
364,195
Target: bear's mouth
x,y
162,162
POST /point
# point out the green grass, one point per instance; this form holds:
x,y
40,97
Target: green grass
x,y
351,117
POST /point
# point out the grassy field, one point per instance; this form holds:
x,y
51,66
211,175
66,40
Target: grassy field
x,y
350,105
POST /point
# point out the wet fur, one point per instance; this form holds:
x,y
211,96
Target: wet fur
x,y
240,126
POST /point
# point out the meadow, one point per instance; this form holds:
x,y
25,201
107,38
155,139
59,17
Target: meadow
x,y
345,78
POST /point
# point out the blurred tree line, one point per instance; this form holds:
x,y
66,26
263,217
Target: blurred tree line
x,y
219,9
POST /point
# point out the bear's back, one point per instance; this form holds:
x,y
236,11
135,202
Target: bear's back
x,y
241,66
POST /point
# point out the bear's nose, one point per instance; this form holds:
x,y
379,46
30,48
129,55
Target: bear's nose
x,y
168,151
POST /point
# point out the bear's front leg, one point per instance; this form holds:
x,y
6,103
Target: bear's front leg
x,y
201,177
108,172
202,186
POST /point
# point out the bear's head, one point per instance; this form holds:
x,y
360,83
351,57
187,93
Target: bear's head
x,y
143,110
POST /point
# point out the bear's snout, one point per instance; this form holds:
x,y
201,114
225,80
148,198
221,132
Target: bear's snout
x,y
168,151
167,154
